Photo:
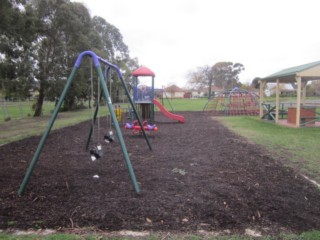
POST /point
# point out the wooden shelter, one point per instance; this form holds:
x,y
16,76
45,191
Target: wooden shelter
x,y
299,77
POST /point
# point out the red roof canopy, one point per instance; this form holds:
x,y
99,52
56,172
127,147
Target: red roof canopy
x,y
143,71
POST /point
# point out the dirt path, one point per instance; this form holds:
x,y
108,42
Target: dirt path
x,y
199,176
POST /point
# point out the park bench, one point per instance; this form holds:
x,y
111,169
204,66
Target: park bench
x,y
271,113
308,119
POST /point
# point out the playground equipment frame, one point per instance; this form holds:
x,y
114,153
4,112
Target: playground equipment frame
x,y
96,61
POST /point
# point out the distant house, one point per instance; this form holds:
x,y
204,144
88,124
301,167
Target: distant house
x,y
214,90
187,94
285,91
202,92
173,92
194,94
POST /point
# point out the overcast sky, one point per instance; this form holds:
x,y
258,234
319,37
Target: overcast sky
x,y
173,37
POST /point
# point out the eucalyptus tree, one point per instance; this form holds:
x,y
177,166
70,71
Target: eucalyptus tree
x,y
18,28
41,39
113,44
115,50
255,82
226,74
222,74
63,34
128,66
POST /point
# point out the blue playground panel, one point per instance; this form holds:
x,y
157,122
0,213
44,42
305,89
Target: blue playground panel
x,y
143,94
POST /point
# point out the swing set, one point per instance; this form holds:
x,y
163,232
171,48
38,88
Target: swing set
x,y
95,151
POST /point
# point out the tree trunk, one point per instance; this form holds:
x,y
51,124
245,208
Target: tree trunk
x,y
38,109
210,90
69,104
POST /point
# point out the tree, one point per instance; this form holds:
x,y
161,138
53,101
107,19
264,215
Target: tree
x,y
222,74
226,74
196,79
208,77
113,46
116,51
255,83
64,33
202,78
41,48
127,66
314,88
18,27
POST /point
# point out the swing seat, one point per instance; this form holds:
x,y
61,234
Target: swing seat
x,y
95,154
108,138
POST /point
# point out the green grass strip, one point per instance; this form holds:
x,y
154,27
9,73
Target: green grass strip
x,y
300,146
310,235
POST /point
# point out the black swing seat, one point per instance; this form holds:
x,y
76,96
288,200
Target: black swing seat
x,y
108,138
95,153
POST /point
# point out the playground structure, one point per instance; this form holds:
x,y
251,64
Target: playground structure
x,y
143,95
168,114
144,98
135,127
97,61
233,103
300,113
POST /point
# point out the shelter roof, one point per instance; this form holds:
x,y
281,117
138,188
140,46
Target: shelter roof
x,y
143,71
309,71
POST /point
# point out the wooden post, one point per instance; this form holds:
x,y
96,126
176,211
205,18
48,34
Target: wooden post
x,y
261,93
304,92
298,79
277,100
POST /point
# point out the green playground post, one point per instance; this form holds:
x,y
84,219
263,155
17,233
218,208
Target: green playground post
x,y
119,134
46,133
130,100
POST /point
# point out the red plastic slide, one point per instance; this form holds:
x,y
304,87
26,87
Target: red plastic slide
x,y
167,113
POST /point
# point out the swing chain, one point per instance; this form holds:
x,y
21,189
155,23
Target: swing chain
x,y
95,151
109,137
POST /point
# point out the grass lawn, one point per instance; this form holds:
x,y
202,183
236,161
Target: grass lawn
x,y
184,104
300,146
20,128
17,129
20,110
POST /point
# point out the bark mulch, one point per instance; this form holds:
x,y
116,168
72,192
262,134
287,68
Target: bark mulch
x,y
198,176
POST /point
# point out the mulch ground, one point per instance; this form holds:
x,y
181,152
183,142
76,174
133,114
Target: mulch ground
x,y
199,176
